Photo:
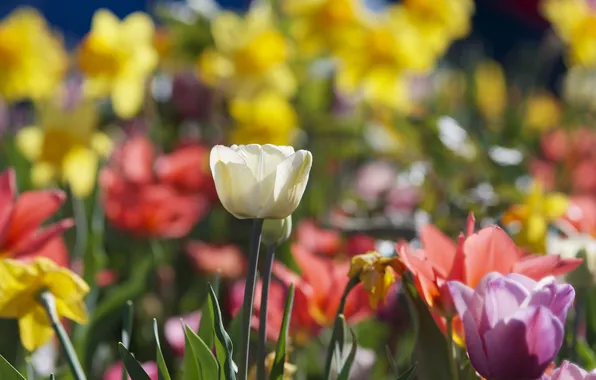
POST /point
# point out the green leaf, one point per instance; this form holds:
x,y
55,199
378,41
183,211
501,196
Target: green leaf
x,y
190,364
235,329
133,367
407,375
345,370
430,351
223,344
126,331
207,365
8,371
277,371
206,324
52,377
339,332
161,362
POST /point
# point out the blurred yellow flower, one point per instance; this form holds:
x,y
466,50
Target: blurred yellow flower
x,y
32,60
289,369
543,111
21,285
117,57
321,26
267,118
491,89
575,23
451,18
377,274
250,55
534,215
65,146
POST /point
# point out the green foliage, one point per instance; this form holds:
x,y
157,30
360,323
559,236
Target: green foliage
x,y
277,371
161,363
133,367
198,359
223,344
9,372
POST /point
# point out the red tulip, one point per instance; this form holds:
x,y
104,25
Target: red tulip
x,y
226,259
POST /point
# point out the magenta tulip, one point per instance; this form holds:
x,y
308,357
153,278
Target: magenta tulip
x,y
570,371
513,325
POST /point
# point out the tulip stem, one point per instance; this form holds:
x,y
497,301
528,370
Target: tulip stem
x,y
47,300
80,216
266,276
452,363
249,295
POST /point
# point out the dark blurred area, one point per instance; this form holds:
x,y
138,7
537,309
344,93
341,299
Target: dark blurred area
x,y
499,25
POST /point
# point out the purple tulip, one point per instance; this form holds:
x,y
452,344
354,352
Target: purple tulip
x,y
513,324
570,371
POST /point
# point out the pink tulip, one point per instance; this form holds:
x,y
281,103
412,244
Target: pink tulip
x,y
115,371
570,371
513,325
174,332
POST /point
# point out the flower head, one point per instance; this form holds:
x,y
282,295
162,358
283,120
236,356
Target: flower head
x,y
377,274
570,371
491,89
265,182
117,57
250,55
21,234
227,260
534,215
513,324
20,287
32,60
65,145
266,118
468,261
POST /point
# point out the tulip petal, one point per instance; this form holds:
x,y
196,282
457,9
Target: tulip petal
x,y
523,280
569,371
488,250
502,298
440,249
35,329
524,345
7,195
467,305
538,267
36,241
557,298
291,179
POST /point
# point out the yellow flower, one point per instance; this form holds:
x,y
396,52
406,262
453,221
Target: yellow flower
x,y
450,17
377,274
289,369
65,146
491,89
20,286
575,23
32,60
534,215
267,118
321,26
250,55
117,57
543,111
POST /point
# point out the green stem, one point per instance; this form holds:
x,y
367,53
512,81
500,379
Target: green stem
x,y
47,300
452,363
340,309
266,276
80,216
249,295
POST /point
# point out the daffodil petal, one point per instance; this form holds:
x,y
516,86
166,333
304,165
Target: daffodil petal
x,y
106,25
555,206
35,329
43,174
127,96
79,169
75,311
102,144
29,141
536,229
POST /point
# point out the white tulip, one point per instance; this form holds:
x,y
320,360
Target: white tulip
x,y
264,182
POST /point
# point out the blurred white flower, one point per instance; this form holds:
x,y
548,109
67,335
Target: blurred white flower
x,y
454,137
260,181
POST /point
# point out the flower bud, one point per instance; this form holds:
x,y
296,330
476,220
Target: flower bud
x,y
276,231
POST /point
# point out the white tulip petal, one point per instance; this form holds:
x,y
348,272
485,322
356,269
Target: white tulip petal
x,y
237,189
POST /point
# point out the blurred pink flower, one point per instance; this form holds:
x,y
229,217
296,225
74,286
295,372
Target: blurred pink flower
x,y
210,258
570,371
514,326
359,243
374,179
115,371
316,239
174,332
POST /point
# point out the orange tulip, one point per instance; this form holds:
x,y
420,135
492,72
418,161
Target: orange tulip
x,y
21,216
475,255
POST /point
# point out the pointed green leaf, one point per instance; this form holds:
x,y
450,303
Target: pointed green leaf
x,y
8,371
345,370
408,374
190,364
161,362
206,329
208,367
277,371
133,367
235,329
127,331
339,339
223,344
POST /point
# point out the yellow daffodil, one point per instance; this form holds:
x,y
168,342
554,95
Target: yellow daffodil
x,y
20,287
575,23
65,146
377,274
250,55
267,118
491,89
543,111
32,60
117,57
448,17
534,215
321,26
289,369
